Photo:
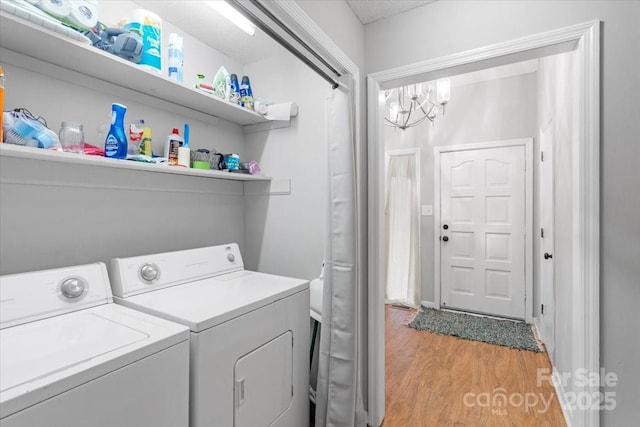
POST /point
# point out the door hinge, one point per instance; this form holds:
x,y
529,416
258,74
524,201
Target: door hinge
x,y
542,156
541,308
542,232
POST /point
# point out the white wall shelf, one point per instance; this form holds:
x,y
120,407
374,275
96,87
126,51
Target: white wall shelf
x,y
17,151
38,42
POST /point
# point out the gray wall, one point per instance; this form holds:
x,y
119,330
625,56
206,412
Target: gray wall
x,y
459,26
57,214
480,112
285,234
338,21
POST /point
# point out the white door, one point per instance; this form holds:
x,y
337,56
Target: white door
x,y
264,383
546,310
482,230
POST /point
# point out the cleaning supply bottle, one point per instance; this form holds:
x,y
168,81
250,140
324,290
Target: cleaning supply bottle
x,y
174,142
136,130
175,58
246,94
234,96
181,60
184,152
146,147
115,146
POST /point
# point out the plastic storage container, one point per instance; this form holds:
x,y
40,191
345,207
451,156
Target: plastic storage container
x,y
71,137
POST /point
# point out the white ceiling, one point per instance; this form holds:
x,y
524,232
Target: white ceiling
x,y
202,22
368,11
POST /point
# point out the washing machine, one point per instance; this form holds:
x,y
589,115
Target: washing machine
x,y
249,332
70,357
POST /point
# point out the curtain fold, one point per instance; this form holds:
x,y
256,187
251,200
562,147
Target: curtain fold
x,y
402,231
339,392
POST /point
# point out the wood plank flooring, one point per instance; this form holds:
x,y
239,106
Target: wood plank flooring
x,y
439,381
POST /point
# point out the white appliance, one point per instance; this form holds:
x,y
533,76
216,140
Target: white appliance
x,y
249,332
70,357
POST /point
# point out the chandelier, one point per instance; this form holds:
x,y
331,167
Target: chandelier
x,y
411,105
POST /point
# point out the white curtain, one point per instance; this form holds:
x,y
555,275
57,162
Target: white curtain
x,y
339,395
402,231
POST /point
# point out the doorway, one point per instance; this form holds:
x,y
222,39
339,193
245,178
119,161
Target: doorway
x,y
483,209
403,227
584,207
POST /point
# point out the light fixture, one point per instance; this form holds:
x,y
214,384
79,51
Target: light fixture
x,y
226,10
411,105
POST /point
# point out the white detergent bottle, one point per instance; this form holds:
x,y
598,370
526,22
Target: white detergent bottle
x,y
171,147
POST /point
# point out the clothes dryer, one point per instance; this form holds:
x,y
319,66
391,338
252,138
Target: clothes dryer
x,y
249,332
70,357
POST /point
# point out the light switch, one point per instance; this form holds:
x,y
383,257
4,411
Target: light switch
x,y
427,210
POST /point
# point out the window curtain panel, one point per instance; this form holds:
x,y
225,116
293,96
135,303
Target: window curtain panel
x,y
402,231
339,400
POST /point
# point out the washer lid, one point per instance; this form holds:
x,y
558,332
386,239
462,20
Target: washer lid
x,y
205,303
41,359
36,350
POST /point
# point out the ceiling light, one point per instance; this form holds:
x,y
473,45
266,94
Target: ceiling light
x,y
226,10
411,105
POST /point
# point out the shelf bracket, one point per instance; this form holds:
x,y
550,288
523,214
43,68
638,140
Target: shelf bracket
x,y
278,115
266,126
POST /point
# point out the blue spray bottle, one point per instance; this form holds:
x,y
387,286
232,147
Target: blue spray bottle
x,y
115,146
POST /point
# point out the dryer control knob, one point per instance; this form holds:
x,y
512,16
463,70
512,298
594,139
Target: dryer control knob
x,y
149,273
231,257
73,287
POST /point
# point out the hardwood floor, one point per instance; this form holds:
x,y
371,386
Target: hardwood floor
x,y
439,381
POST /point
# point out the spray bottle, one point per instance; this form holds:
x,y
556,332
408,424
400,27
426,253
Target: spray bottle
x,y
115,146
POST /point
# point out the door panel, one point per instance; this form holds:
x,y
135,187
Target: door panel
x,y
482,204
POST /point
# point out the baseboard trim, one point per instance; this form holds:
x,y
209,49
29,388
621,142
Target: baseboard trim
x,y
427,304
562,398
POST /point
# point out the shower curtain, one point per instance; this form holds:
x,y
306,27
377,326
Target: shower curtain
x,y
402,231
339,392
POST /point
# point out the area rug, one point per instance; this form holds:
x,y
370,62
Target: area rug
x,y
506,333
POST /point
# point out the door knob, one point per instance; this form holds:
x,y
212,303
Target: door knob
x,y
547,255
445,238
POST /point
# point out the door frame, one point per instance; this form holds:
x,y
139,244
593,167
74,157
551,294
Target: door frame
x,y
546,198
527,143
415,152
584,38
